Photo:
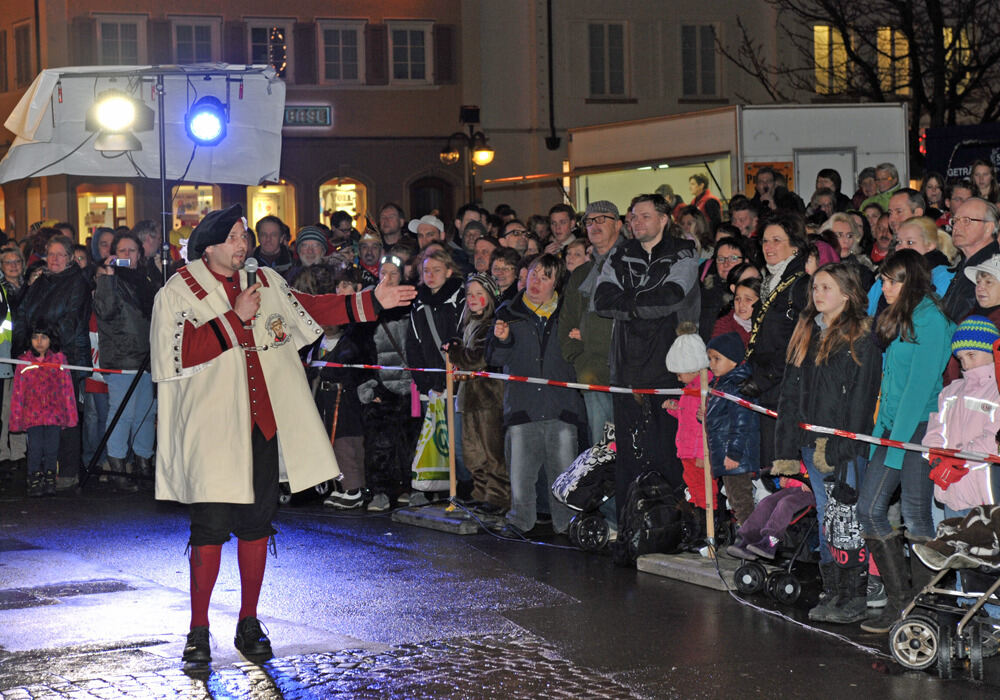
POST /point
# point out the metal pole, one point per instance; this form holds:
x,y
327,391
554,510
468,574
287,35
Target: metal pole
x,y
164,237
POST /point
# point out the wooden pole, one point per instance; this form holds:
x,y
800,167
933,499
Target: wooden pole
x,y
450,412
709,500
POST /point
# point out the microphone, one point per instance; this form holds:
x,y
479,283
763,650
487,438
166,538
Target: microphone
x,y
250,267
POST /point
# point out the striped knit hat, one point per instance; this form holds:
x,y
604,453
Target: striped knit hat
x,y
974,333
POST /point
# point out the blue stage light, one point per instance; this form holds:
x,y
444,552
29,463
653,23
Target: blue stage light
x,y
206,121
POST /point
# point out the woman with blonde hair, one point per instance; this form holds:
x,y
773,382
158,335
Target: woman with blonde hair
x,y
921,234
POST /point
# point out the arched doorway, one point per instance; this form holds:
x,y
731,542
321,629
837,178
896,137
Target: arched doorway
x,y
344,194
430,194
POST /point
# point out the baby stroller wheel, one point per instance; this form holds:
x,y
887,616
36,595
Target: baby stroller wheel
x,y
592,533
324,488
284,495
750,578
786,588
946,648
976,652
573,531
913,642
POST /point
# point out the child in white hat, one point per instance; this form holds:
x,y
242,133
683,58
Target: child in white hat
x,y
686,358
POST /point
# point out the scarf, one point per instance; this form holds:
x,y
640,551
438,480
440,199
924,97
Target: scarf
x,y
774,273
544,310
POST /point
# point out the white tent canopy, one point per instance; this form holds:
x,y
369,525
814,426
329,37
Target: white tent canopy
x,y
50,137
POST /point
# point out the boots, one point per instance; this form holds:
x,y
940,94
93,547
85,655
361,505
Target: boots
x,y
853,603
49,483
888,553
144,470
36,487
120,481
830,596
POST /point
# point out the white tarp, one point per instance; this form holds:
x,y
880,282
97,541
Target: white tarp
x,y
50,138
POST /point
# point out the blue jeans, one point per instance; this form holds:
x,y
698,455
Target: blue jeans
x,y
138,421
550,445
600,410
917,493
43,448
816,478
95,421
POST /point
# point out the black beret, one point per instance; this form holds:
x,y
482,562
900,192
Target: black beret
x,y
213,229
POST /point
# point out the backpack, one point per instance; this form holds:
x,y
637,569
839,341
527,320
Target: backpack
x,y
650,521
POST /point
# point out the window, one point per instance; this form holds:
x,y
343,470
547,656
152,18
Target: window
x,y
830,59
196,39
699,67
606,48
410,52
342,45
957,54
3,64
22,55
271,44
893,61
121,40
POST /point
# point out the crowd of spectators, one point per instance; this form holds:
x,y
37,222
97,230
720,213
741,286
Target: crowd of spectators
x,y
812,306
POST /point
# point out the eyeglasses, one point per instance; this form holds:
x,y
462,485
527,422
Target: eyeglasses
x,y
599,219
729,258
519,232
965,220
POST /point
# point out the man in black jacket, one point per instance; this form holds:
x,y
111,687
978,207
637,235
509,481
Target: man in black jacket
x,y
650,285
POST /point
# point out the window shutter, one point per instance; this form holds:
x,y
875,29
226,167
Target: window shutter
x,y
377,54
304,35
234,42
444,54
83,41
158,39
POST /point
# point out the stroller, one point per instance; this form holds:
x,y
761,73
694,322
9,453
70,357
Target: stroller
x,y
799,544
585,486
956,616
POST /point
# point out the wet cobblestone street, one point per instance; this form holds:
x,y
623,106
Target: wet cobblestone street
x,y
472,667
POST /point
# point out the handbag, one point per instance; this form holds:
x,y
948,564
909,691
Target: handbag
x,y
844,536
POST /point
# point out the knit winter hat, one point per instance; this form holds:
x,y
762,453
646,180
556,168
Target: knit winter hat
x,y
487,282
974,333
730,345
688,353
310,233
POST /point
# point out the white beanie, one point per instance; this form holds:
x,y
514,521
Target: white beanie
x,y
688,353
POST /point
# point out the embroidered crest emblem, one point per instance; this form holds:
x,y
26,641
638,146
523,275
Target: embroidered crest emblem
x,y
276,327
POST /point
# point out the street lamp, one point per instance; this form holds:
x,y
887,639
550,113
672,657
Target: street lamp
x,y
477,149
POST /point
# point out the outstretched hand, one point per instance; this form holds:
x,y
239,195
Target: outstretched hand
x,y
391,297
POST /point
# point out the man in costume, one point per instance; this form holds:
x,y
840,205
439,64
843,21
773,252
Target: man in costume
x,y
234,405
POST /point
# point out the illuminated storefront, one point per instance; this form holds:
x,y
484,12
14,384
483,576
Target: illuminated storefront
x,y
192,202
107,205
272,200
344,194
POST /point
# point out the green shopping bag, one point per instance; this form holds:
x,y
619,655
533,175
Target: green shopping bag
x,y
430,463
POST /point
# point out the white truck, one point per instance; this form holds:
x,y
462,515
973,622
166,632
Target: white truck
x,y
619,160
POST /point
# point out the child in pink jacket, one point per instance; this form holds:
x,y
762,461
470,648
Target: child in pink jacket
x,y
686,358
967,418
42,402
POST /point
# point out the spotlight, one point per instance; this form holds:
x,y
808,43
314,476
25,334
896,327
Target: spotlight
x,y
116,115
206,121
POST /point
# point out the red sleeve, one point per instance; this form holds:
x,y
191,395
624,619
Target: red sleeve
x,y
339,309
206,342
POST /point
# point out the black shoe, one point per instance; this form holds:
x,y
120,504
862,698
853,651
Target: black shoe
x,y
251,640
197,649
510,531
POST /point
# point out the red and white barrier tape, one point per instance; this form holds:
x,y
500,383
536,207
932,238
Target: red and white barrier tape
x,y
823,430
10,361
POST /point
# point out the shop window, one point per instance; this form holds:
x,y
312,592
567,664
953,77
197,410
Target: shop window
x,y
272,200
192,202
103,205
344,194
